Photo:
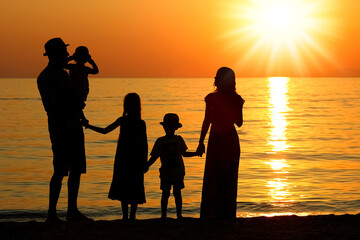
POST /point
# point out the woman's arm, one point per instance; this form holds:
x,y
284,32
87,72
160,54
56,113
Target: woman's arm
x,y
106,130
204,129
201,148
239,120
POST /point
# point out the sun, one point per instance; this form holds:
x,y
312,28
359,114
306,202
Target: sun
x,y
278,33
280,21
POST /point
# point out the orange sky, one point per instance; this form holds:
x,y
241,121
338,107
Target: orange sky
x,y
177,38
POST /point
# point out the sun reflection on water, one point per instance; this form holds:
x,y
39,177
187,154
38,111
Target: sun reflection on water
x,y
279,166
278,101
279,192
279,189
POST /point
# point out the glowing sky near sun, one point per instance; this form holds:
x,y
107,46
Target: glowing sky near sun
x,y
155,38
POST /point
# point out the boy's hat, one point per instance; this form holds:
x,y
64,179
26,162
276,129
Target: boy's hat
x,y
54,45
81,52
171,119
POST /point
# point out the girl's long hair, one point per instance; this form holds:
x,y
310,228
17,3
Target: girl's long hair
x,y
132,105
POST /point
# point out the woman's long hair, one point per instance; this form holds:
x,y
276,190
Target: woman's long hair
x,y
132,105
225,80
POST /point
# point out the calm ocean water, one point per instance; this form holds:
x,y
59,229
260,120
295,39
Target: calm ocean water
x,y
300,146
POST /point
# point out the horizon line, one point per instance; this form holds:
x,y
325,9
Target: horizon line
x,y
319,76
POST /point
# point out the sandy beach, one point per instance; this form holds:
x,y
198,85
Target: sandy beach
x,y
284,227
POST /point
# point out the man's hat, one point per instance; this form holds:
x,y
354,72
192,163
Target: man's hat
x,y
54,45
171,119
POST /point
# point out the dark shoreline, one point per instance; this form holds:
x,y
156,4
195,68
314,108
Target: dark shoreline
x,y
284,227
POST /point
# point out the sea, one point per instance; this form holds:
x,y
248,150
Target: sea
x,y
300,146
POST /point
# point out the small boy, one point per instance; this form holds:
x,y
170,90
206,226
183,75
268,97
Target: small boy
x,y
170,148
79,74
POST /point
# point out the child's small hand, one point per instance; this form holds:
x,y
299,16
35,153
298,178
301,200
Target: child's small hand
x,y
199,154
85,123
90,60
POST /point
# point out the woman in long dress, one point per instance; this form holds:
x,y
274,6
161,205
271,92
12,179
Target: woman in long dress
x,y
223,110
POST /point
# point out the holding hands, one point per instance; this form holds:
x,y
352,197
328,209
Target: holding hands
x,y
85,123
200,149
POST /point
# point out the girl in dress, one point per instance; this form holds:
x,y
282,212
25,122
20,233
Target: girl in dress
x,y
131,156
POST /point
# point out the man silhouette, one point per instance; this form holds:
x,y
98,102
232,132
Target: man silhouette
x,y
66,133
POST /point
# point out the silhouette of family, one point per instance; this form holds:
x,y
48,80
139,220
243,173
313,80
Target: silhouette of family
x,y
64,94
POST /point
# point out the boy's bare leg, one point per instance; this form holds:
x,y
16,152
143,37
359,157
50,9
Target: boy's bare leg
x,y
125,210
178,202
164,202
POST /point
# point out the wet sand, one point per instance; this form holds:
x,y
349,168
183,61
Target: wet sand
x,y
285,227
